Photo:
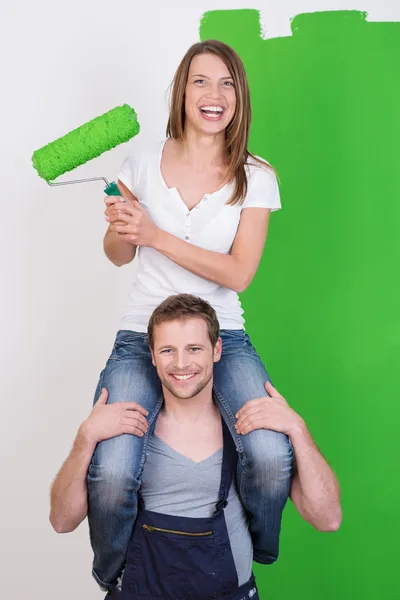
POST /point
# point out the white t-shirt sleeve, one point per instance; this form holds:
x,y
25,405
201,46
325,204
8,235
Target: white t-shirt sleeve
x,y
263,190
129,174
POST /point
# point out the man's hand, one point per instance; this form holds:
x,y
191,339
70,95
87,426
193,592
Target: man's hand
x,y
109,420
267,413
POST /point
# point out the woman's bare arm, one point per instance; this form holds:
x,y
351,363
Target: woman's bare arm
x,y
235,270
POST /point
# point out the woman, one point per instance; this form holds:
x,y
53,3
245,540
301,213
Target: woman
x,y
196,210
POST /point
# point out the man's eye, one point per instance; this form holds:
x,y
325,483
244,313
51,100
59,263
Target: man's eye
x,y
195,348
166,351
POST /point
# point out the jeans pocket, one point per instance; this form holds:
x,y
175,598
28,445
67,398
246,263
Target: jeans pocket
x,y
234,339
129,344
233,333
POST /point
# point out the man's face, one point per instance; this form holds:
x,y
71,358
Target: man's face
x,y
184,356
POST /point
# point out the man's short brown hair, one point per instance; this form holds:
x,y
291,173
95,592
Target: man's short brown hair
x,y
184,306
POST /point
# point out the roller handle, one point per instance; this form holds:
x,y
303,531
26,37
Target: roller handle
x,y
112,189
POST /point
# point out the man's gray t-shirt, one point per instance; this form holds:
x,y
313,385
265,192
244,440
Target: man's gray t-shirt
x,y
173,484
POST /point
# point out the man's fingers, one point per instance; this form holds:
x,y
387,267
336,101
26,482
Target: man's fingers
x,y
133,431
249,404
135,406
254,424
245,420
135,423
248,412
131,415
103,397
273,392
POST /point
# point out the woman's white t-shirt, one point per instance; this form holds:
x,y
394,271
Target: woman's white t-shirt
x,y
212,225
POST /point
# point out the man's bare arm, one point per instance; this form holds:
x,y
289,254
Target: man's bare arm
x,y
69,491
315,490
69,503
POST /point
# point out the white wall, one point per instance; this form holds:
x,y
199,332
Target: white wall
x,y
61,65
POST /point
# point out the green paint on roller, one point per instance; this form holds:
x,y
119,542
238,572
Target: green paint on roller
x,y
323,310
79,146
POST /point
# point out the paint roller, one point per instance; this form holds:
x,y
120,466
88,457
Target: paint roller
x,y
77,147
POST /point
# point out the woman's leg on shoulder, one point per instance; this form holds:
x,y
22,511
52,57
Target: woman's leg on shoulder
x,y
114,473
265,456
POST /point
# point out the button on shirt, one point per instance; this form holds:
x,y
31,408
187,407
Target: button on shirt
x,y
211,225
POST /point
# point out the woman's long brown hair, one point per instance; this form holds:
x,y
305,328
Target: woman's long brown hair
x,y
237,132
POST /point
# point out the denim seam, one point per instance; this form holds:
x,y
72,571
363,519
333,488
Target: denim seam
x,y
146,435
99,387
240,448
242,487
229,413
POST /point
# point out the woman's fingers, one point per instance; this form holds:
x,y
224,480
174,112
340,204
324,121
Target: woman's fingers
x,y
110,200
119,219
124,206
124,228
117,212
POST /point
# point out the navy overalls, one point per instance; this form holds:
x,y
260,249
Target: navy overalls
x,y
185,558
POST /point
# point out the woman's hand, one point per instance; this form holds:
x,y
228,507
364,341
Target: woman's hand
x,y
111,212
131,220
111,201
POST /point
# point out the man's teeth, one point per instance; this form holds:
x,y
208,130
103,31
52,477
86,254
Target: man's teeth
x,y
182,377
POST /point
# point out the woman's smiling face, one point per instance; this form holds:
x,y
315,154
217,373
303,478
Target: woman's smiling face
x,y
210,97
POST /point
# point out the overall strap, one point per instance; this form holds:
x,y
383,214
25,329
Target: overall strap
x,y
140,502
229,462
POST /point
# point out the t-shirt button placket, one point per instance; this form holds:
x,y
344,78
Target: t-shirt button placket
x,y
187,226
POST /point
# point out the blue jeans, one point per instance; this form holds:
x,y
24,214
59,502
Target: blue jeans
x,y
264,464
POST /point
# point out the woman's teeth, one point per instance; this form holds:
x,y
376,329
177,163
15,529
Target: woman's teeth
x,y
212,111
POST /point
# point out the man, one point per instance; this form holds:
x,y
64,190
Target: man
x,y
191,538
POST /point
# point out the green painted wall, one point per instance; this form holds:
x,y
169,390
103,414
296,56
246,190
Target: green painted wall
x,y
324,308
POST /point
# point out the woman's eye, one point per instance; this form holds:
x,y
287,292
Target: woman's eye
x,y
228,83
200,81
